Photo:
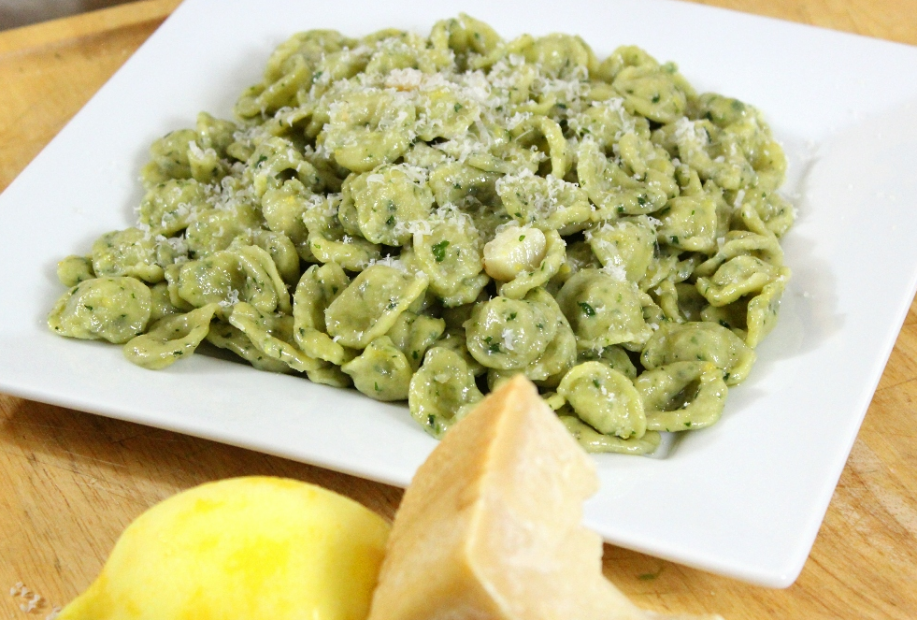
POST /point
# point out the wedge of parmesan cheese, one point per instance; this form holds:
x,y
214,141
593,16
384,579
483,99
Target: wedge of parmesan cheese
x,y
490,528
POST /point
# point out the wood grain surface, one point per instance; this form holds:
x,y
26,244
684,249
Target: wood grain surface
x,y
70,481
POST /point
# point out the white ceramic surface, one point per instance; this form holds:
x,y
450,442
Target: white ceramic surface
x,y
744,498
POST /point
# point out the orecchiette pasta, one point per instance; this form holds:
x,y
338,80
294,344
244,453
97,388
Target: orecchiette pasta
x,y
605,399
105,308
682,395
423,218
170,338
381,370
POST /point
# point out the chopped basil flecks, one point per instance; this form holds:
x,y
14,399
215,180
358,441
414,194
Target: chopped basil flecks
x,y
439,250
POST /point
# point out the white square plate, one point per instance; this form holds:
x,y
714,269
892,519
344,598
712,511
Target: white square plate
x,y
744,498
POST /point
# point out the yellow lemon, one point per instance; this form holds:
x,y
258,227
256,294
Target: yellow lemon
x,y
255,547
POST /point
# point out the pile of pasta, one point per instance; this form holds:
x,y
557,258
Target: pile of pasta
x,y
423,218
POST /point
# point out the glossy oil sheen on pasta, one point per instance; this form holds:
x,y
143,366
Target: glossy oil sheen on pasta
x,y
423,218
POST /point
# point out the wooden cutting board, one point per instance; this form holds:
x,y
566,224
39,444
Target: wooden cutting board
x,y
70,481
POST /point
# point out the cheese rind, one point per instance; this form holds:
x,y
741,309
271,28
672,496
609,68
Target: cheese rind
x,y
490,528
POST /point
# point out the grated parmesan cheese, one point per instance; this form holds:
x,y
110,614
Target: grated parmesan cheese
x,y
30,601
